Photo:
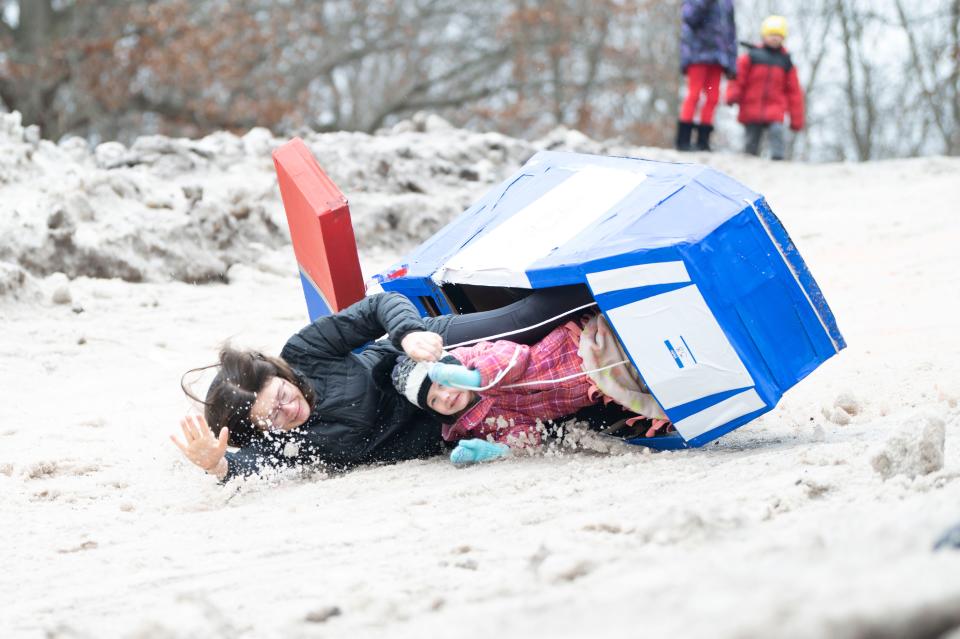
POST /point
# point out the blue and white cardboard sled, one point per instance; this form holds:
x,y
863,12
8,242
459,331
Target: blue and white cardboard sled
x,y
696,275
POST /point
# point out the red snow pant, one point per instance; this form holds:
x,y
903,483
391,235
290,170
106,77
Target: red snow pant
x,y
701,78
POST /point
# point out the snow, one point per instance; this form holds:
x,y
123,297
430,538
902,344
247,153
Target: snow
x,y
816,520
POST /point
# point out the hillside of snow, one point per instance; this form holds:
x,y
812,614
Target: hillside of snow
x,y
121,268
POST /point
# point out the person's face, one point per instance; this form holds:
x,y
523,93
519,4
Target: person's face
x,y
446,400
280,406
773,40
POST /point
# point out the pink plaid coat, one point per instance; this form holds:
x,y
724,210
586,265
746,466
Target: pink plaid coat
x,y
510,415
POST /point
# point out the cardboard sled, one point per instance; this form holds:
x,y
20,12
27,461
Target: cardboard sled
x,y
696,275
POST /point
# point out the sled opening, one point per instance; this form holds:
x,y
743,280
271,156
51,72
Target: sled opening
x,y
611,420
430,305
470,298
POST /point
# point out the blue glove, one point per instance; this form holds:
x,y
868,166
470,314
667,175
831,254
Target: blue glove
x,y
454,375
471,451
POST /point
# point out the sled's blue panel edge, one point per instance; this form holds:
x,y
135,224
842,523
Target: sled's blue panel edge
x,y
675,442
672,441
767,309
416,289
720,431
317,304
790,253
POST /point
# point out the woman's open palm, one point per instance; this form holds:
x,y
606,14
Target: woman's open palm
x,y
201,447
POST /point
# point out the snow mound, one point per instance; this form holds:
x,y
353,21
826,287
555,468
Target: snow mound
x,y
918,450
175,209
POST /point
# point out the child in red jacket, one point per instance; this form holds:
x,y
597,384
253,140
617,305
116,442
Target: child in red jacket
x,y
517,388
767,88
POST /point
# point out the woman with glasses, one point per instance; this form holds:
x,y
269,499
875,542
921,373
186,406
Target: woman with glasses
x,y
320,402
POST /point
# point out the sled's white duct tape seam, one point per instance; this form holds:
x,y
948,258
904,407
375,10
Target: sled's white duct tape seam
x,y
502,256
638,275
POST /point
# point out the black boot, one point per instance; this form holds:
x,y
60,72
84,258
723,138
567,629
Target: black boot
x,y
703,137
684,130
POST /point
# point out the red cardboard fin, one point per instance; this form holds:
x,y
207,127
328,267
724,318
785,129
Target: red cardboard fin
x,y
319,219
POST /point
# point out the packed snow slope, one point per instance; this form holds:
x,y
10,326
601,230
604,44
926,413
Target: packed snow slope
x,y
121,268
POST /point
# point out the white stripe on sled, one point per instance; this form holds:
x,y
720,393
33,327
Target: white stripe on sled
x,y
502,256
719,414
638,275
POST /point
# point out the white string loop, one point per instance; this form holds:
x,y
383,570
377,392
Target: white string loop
x,y
516,354
520,330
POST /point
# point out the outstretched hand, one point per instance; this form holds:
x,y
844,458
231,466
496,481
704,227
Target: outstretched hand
x,y
202,448
422,346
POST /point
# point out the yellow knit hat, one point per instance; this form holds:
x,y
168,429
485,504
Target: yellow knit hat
x,y
774,25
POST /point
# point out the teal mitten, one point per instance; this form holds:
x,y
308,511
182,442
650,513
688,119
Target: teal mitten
x,y
454,375
472,451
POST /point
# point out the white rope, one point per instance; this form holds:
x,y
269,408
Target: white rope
x,y
500,375
516,353
520,330
513,362
563,379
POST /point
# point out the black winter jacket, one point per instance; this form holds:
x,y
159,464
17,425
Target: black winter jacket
x,y
358,417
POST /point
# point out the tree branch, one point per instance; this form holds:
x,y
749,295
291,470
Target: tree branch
x,y
953,147
850,86
594,58
417,98
921,73
811,82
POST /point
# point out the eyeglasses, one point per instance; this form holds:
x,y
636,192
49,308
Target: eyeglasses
x,y
284,397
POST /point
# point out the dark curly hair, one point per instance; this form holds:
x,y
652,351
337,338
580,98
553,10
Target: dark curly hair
x,y
241,375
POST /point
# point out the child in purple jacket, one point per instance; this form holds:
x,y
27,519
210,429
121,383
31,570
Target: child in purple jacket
x,y
708,49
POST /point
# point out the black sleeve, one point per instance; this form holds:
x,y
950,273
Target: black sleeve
x,y
336,447
256,456
419,439
415,435
338,334
526,319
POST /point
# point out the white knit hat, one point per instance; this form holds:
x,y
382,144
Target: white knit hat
x,y
411,378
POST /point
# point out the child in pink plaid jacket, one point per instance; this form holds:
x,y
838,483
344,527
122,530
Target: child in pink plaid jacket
x,y
521,387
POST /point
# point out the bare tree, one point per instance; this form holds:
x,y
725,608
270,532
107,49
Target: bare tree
x,y
938,90
953,91
28,54
182,67
116,68
813,23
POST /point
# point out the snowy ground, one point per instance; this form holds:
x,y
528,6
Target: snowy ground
x,y
784,528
